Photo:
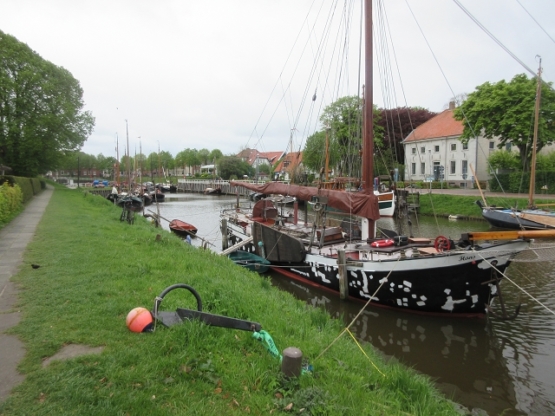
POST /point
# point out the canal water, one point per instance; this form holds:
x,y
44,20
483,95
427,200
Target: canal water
x,y
502,367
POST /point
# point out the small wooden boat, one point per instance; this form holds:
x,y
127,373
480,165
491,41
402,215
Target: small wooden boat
x,y
250,261
182,228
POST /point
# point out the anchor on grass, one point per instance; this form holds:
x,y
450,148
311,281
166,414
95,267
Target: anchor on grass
x,y
495,280
172,318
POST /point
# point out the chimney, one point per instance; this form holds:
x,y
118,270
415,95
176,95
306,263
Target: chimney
x,y
452,105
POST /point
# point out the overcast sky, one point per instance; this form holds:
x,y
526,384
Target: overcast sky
x,y
198,74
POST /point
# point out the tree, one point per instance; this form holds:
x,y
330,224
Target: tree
x,y
313,152
204,157
506,110
41,116
232,166
503,159
166,160
342,122
397,124
215,154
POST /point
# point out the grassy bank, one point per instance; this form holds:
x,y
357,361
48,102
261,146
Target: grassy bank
x,y
445,205
94,269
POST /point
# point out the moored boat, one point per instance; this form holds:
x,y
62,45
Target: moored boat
x,y
182,228
437,276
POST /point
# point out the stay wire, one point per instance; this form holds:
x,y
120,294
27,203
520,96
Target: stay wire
x,y
514,283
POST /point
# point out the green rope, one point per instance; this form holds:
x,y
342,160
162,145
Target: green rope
x,y
263,336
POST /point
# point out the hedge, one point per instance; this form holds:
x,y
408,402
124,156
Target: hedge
x,y
29,186
11,201
519,182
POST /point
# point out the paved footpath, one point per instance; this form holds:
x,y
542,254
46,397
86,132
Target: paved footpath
x,y
13,242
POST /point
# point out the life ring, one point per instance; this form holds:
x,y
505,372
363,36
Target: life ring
x,y
382,243
442,243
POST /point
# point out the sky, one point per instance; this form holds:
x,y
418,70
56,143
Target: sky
x,y
221,74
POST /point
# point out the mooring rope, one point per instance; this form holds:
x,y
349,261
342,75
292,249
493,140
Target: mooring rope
x,y
347,328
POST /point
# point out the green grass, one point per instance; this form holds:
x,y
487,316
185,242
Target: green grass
x,y
445,205
94,269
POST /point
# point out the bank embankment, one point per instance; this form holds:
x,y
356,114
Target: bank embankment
x,y
90,269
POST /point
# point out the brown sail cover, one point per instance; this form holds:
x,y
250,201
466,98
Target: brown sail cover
x,y
356,203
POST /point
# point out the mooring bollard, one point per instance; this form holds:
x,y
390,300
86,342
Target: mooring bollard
x,y
291,363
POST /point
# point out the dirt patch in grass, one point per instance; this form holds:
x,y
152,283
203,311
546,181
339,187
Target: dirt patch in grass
x,y
72,351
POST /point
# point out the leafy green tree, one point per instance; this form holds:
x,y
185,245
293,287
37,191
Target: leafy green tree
x,y
396,124
342,121
151,163
264,168
166,160
204,157
193,159
546,162
506,110
41,110
314,155
503,159
229,166
216,154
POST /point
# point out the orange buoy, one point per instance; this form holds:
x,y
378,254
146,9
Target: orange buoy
x,y
382,243
139,320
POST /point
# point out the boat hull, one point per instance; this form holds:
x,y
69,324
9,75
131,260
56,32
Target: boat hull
x,y
182,228
514,220
458,282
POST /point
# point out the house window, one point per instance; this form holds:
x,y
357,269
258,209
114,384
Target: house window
x,y
436,148
508,146
453,167
464,167
465,146
414,150
453,147
491,145
422,168
423,150
413,168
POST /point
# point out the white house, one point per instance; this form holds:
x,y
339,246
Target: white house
x,y
433,151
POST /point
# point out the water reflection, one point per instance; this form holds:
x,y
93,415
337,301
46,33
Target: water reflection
x,y
462,357
503,367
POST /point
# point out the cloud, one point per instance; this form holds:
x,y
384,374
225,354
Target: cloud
x,y
213,74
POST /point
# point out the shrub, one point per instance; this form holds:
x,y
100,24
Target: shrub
x,y
11,201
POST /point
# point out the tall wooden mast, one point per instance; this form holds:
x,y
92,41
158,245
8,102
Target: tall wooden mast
x,y
368,126
535,140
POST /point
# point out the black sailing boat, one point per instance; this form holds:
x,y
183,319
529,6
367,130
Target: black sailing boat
x,y
414,274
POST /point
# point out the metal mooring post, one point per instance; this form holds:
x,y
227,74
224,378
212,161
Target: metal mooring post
x,y
291,363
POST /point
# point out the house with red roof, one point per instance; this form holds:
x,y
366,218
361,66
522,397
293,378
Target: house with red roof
x,y
289,165
433,151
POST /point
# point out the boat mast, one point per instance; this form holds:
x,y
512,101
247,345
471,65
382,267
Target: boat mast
x,y
128,156
535,140
116,176
368,130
